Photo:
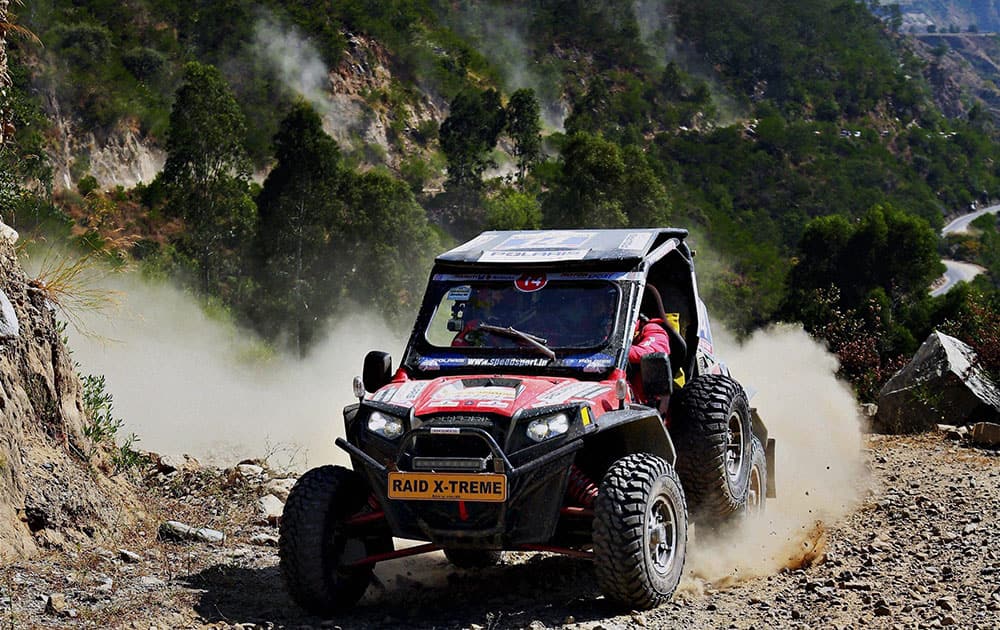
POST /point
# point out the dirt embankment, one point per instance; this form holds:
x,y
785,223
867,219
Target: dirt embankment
x,y
919,551
55,490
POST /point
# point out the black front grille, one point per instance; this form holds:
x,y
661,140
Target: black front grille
x,y
468,445
450,446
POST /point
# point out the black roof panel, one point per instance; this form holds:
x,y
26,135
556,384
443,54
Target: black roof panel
x,y
551,246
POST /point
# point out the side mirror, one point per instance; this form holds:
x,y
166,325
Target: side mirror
x,y
377,371
657,377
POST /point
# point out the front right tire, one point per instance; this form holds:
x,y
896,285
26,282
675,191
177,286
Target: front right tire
x,y
640,531
317,550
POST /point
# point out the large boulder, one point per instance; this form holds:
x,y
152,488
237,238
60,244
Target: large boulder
x,y
942,384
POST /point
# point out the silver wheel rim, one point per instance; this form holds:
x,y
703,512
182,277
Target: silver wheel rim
x,y
734,448
661,535
755,497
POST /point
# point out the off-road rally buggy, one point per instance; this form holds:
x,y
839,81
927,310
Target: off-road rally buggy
x,y
516,422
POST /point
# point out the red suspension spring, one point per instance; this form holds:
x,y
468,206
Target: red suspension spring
x,y
581,489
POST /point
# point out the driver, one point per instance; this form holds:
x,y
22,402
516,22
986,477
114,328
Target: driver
x,y
649,337
489,305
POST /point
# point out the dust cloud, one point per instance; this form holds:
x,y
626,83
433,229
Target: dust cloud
x,y
297,62
185,382
819,465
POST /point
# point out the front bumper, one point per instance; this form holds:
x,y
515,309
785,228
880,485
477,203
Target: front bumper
x,y
530,514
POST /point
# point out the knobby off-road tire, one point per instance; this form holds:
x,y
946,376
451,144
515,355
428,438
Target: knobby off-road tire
x,y
640,531
314,549
473,558
713,437
757,492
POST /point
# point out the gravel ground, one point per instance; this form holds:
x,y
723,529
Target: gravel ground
x,y
921,550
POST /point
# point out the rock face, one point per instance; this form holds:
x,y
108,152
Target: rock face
x,y
942,384
53,489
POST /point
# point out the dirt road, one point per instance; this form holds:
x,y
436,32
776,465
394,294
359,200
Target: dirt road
x,y
920,551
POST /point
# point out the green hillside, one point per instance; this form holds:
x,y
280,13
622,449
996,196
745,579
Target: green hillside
x,y
797,140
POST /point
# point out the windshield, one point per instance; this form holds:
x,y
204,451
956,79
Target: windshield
x,y
526,311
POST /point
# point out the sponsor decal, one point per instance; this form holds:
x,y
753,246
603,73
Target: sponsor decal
x,y
479,241
385,394
508,362
494,404
460,294
408,392
437,363
509,277
567,391
457,392
636,241
590,364
533,256
531,282
705,346
552,239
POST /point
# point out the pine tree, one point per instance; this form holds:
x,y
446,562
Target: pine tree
x,y
302,217
207,172
524,129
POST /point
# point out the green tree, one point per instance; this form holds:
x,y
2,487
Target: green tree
x,y
389,245
887,251
524,128
511,209
207,172
644,197
588,190
469,134
301,220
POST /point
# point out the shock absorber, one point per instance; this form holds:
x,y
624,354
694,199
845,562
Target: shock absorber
x,y
580,488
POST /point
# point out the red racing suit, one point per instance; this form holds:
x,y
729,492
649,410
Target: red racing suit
x,y
651,337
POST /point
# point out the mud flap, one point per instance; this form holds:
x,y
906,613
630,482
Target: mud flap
x,y
772,492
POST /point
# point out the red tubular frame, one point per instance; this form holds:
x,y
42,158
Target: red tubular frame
x,y
379,515
399,553
364,519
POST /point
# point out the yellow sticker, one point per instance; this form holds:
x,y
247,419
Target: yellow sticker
x,y
585,414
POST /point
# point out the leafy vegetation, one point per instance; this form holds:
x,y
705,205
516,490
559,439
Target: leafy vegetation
x,y
102,426
795,137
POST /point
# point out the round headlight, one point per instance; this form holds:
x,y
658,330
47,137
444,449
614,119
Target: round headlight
x,y
544,428
538,430
385,425
558,424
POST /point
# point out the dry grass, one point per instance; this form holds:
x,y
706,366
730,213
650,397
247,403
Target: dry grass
x,y
76,283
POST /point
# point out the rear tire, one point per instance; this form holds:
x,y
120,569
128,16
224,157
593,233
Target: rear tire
x,y
473,558
640,531
713,437
314,549
757,492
